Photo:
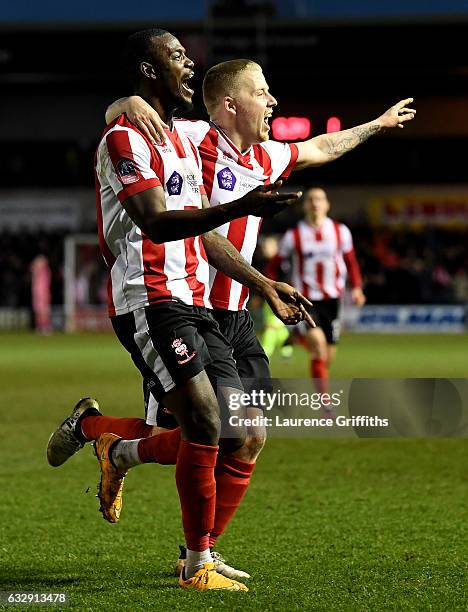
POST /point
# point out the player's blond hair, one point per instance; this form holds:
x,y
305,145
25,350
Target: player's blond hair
x,y
222,80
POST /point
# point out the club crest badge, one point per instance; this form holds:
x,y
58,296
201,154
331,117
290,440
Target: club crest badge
x,y
174,184
226,179
182,352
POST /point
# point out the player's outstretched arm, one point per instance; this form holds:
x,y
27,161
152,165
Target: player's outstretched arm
x,y
142,115
328,147
147,210
287,303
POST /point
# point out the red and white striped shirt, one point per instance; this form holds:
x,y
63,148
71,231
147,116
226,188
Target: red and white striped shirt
x,y
228,175
142,272
321,258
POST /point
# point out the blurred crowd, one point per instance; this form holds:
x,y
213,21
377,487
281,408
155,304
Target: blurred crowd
x,y
410,267
398,266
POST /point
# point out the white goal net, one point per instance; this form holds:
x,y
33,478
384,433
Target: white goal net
x,y
85,284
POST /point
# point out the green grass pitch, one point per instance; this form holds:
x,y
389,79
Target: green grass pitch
x,y
327,525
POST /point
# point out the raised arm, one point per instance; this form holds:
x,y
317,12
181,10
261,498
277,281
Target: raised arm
x,y
328,147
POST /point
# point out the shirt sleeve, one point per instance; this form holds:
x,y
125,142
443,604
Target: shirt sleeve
x,y
195,130
128,164
346,239
283,157
349,256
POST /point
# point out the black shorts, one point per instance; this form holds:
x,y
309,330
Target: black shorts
x,y
251,361
326,314
172,342
238,329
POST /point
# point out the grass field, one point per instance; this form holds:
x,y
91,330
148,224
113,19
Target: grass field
x,y
327,525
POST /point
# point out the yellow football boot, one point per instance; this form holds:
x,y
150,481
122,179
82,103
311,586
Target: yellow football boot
x,y
208,579
219,562
112,479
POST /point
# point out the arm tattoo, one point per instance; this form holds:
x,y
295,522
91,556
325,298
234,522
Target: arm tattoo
x,y
342,142
363,133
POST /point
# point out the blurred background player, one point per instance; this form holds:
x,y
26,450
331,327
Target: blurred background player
x,y
322,258
41,278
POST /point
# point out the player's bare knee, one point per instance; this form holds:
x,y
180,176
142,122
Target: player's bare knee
x,y
319,350
257,440
233,445
254,444
321,353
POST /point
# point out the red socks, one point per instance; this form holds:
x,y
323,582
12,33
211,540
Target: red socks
x,y
129,429
209,496
319,372
232,480
162,448
197,492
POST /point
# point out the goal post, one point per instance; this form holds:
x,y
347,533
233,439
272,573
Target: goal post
x,y
85,284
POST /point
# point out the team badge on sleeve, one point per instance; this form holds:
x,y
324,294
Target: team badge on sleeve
x,y
126,171
174,184
226,179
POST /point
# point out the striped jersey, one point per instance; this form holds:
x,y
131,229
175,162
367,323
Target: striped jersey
x,y
142,272
228,175
320,258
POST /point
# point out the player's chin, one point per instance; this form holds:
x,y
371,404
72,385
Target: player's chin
x,y
264,133
185,101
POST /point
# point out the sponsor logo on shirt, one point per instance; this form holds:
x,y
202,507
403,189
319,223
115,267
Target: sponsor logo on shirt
x,y
182,352
126,171
226,179
192,182
174,184
318,252
247,185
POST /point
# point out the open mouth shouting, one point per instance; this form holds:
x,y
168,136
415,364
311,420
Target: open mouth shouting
x,y
185,85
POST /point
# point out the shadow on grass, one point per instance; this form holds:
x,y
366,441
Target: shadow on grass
x,y
35,580
39,580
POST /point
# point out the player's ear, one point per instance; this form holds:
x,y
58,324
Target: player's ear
x,y
147,70
230,105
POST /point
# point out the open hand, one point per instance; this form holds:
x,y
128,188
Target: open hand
x,y
267,201
398,115
146,119
288,304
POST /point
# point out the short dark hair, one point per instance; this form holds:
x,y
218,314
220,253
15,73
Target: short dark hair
x,y
137,49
